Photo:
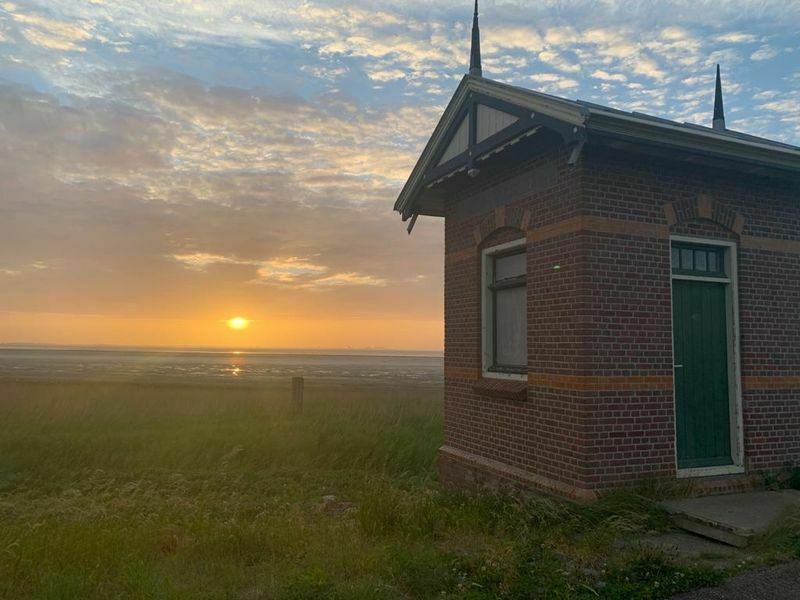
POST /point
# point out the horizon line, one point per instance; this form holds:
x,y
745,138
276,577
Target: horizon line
x,y
219,349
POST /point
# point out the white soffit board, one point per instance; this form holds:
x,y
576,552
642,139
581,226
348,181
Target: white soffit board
x,y
491,120
459,143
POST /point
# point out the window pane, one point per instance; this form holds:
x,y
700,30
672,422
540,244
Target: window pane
x,y
510,327
687,264
700,260
713,262
676,258
510,266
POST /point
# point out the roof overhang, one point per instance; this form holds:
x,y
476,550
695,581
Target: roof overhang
x,y
721,147
578,122
533,111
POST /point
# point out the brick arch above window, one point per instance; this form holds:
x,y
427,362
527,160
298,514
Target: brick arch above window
x,y
703,207
503,217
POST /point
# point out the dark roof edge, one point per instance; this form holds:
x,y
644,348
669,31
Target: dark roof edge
x,y
731,150
740,144
415,178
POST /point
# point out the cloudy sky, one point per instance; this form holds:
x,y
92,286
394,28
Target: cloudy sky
x,y
167,165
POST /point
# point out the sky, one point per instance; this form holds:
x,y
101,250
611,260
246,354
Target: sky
x,y
165,166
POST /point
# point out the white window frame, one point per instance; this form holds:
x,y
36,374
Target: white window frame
x,y
734,361
487,322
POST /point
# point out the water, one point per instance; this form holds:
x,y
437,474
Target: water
x,y
203,366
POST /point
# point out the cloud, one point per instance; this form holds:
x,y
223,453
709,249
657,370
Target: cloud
x,y
787,106
553,81
386,74
293,271
326,142
736,37
245,193
345,279
199,261
512,37
287,270
606,76
324,71
649,68
765,52
674,33
415,54
559,62
51,34
766,95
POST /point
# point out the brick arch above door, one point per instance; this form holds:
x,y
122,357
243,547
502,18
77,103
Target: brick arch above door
x,y
704,207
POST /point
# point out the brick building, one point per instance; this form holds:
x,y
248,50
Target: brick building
x,y
622,293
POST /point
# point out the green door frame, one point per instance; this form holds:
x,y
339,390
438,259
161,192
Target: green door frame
x,y
734,378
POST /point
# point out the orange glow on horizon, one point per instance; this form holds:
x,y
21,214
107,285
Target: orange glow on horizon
x,y
198,332
238,323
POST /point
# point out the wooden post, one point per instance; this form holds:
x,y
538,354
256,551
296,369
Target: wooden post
x,y
297,394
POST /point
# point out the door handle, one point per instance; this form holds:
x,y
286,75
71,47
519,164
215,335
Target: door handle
x,y
678,366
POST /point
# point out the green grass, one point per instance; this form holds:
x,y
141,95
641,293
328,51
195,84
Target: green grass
x,y
145,491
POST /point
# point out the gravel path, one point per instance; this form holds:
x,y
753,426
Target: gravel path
x,y
774,583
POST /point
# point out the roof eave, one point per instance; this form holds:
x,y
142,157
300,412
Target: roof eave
x,y
558,108
414,181
718,145
598,121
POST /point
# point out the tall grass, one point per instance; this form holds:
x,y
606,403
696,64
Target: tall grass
x,y
54,430
133,489
143,491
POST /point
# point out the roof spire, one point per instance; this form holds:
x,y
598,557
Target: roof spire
x,y
475,51
719,112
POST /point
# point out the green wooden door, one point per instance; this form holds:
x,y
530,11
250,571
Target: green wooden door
x,y
702,406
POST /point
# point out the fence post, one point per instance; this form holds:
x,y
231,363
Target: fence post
x,y
297,394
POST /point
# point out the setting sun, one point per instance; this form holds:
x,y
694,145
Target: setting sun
x,y
238,323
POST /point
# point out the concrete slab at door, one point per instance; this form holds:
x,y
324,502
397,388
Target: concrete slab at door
x,y
732,518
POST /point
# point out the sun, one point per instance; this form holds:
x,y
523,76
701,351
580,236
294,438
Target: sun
x,y
238,323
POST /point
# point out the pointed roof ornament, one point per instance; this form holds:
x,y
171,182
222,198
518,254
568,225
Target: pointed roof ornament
x,y
719,111
475,51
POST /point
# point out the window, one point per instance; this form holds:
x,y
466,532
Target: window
x,y
505,316
702,261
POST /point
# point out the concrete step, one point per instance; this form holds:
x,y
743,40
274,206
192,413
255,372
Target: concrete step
x,y
732,519
692,549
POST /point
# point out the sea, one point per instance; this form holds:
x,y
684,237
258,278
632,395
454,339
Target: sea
x,y
234,366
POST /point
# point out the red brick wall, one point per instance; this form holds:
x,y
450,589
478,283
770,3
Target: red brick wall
x,y
769,301
599,409
540,436
633,332
628,335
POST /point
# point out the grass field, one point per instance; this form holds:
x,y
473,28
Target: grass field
x,y
145,491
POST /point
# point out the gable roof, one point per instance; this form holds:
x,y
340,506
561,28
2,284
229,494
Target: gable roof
x,y
577,122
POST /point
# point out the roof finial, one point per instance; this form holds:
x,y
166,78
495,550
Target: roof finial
x,y
475,51
719,112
